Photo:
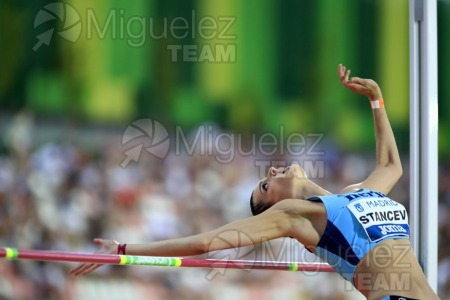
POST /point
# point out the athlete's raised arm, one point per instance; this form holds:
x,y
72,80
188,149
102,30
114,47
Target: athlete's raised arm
x,y
388,168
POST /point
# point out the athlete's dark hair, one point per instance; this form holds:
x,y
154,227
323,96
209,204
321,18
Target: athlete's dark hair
x,y
258,207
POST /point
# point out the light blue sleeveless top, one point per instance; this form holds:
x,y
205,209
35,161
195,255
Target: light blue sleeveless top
x,y
357,222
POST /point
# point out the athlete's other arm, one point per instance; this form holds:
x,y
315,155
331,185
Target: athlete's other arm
x,y
388,169
281,220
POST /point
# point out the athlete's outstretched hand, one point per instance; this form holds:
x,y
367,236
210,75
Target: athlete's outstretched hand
x,y
366,87
106,247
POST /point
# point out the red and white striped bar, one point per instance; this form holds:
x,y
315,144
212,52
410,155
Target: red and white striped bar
x,y
59,256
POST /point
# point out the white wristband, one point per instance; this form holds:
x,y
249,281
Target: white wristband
x,y
375,104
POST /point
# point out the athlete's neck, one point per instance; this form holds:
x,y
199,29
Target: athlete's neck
x,y
310,189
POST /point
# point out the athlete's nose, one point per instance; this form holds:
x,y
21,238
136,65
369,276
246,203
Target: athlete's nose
x,y
272,172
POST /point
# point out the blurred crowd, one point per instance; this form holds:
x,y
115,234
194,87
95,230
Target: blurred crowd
x,y
59,194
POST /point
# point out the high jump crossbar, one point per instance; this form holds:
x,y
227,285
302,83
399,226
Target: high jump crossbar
x,y
61,256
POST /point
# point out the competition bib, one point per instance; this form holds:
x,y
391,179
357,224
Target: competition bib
x,y
380,217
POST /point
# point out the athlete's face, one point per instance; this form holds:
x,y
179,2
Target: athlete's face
x,y
280,183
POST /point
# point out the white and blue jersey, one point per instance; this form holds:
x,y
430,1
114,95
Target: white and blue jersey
x,y
357,222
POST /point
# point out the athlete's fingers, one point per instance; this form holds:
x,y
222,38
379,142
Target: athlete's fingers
x,y
341,71
344,76
75,270
357,88
99,242
360,81
347,74
81,269
90,269
343,80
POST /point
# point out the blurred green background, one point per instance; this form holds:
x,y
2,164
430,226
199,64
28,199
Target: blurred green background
x,y
121,68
